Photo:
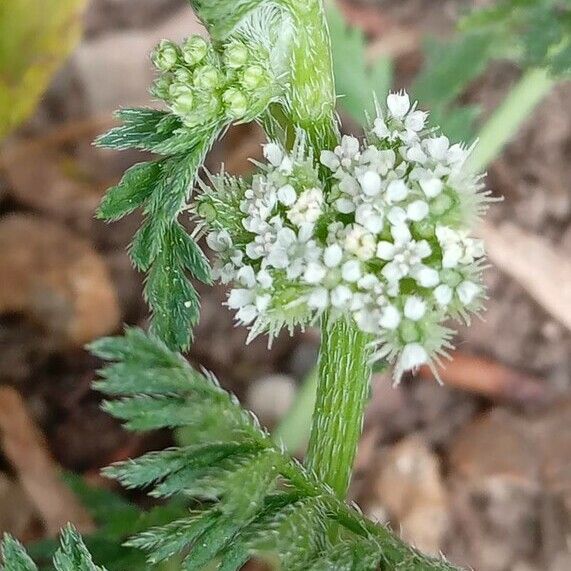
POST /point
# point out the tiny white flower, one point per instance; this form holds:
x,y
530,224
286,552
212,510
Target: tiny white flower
x,y
287,195
265,279
416,154
432,187
345,205
240,297
318,299
332,256
414,308
396,191
246,276
386,250
416,120
370,218
307,208
425,276
341,296
437,147
467,292
262,302
351,271
273,154
390,317
398,104
314,273
417,211
330,160
349,146
247,314
443,295
380,128
370,183
360,242
413,356
219,241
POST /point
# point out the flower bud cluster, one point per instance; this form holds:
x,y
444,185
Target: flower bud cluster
x,y
382,240
202,84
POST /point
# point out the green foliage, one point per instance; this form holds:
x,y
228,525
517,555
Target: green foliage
x,y
35,37
253,498
160,189
71,556
356,81
540,28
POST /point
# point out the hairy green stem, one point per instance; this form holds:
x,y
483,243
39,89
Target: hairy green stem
x,y
344,381
508,117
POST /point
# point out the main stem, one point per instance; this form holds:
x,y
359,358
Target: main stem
x,y
342,392
344,371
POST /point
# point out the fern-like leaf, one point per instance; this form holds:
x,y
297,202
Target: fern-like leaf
x,y
256,499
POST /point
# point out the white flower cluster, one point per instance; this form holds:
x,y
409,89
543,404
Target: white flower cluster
x,y
384,240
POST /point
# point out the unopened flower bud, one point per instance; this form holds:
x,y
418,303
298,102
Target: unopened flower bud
x,y
161,87
194,50
165,55
184,103
207,78
183,75
252,77
236,55
236,103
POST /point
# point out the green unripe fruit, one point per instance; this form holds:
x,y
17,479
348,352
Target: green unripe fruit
x,y
207,78
236,103
409,331
441,204
194,50
236,55
165,55
253,76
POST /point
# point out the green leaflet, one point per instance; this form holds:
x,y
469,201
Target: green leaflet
x,y
161,246
71,556
233,470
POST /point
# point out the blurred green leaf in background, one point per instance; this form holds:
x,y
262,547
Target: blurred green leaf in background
x,y
35,38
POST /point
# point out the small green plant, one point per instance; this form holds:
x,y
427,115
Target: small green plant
x,y
368,238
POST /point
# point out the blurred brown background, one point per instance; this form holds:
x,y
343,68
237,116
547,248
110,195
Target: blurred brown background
x,y
479,469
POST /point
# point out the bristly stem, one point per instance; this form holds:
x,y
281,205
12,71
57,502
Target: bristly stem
x,y
344,371
343,390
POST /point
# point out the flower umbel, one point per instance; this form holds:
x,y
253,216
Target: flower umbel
x,y
383,239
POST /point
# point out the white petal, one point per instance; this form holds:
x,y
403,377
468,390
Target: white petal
x,y
371,183
330,160
385,250
351,271
413,356
247,314
240,297
423,249
368,281
431,187
390,318
467,292
265,279
414,308
380,129
416,120
247,276
392,273
341,296
401,233
398,104
263,302
417,211
443,294
369,218
416,154
287,195
332,256
345,205
452,255
318,298
426,277
314,273
397,216
396,191
350,146
437,147
273,154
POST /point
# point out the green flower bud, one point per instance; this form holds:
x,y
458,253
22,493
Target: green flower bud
x,y
423,229
177,90
253,76
236,55
450,277
207,211
194,50
440,204
236,103
184,104
409,331
165,55
161,87
183,75
207,78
